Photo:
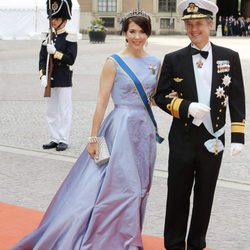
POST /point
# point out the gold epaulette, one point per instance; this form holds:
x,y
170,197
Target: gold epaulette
x,y
238,127
174,106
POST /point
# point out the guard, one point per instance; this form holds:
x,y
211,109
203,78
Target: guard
x,y
57,56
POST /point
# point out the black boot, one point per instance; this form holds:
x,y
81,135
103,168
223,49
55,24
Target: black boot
x,y
61,146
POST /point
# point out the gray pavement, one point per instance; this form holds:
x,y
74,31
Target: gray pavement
x,y
30,176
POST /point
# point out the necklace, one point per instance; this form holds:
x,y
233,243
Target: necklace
x,y
199,64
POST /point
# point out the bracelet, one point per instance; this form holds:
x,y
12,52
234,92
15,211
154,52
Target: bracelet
x,y
92,139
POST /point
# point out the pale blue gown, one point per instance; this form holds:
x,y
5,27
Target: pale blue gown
x,y
102,208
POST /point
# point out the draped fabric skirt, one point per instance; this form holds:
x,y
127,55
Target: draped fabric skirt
x,y
102,207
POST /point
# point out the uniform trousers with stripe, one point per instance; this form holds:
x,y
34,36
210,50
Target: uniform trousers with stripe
x,y
191,167
59,114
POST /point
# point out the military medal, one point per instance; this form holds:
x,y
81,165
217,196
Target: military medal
x,y
223,66
220,92
226,80
199,64
216,148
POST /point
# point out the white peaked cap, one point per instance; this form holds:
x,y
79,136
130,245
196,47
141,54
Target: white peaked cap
x,y
193,9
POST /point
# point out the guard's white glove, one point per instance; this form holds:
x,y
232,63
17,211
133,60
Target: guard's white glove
x,y
236,148
51,49
44,81
198,111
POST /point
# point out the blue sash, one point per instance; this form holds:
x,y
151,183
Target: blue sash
x,y
140,91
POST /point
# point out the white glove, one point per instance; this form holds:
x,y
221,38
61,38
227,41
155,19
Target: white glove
x,y
44,81
236,148
51,49
198,111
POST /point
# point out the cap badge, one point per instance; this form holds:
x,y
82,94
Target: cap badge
x,y
192,8
54,6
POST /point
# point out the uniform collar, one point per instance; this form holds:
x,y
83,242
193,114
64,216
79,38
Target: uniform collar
x,y
60,31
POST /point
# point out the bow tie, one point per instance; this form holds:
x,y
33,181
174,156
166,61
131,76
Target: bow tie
x,y
203,53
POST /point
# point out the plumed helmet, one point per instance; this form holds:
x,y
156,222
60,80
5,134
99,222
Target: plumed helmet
x,y
59,8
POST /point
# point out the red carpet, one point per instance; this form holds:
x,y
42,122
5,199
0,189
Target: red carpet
x,y
15,222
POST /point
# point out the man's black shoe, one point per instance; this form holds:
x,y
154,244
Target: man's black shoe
x,y
61,146
50,145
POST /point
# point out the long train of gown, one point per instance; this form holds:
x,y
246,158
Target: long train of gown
x,y
102,208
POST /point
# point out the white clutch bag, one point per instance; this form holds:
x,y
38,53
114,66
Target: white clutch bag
x,y
103,151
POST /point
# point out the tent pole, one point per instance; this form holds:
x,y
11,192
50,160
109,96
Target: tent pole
x,y
36,18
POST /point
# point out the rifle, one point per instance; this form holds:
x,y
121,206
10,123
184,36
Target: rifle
x,y
49,63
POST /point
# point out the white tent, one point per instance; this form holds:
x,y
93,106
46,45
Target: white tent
x,y
26,19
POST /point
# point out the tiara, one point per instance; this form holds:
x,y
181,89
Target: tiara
x,y
134,13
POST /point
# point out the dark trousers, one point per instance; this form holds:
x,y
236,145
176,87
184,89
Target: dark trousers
x,y
191,166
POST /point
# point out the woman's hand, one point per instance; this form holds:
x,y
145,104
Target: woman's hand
x,y
92,149
173,94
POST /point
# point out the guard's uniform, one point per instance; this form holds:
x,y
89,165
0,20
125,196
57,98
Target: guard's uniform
x,y
63,59
63,51
59,104
195,152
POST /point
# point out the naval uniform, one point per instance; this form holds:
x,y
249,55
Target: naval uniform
x,y
59,104
195,152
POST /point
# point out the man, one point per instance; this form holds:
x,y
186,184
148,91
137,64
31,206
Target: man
x,y
63,50
207,78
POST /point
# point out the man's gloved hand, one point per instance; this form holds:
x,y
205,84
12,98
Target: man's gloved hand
x,y
51,49
198,110
236,148
43,81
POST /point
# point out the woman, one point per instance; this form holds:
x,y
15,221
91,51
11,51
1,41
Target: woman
x,y
102,207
